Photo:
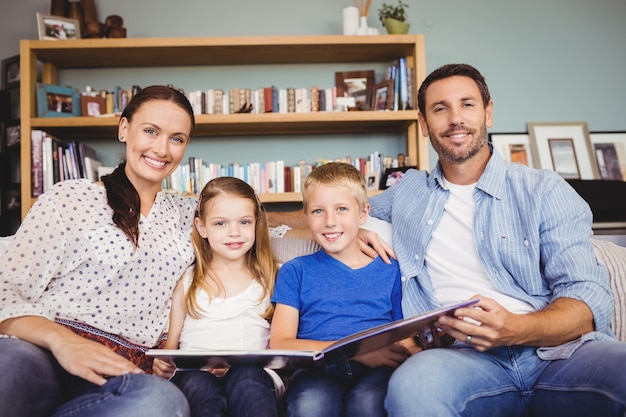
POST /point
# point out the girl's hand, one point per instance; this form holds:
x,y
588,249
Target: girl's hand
x,y
163,368
392,356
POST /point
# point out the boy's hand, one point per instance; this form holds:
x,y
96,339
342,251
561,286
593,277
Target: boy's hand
x,y
162,368
392,356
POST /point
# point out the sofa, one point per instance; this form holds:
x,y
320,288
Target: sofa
x,y
612,256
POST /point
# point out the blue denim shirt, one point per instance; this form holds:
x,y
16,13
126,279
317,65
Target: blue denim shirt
x,y
531,230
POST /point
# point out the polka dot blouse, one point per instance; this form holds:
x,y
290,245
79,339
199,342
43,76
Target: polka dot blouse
x,y
69,261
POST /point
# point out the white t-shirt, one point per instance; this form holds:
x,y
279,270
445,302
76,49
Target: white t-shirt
x,y
452,259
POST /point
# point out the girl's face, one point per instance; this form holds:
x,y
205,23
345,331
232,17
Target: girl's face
x,y
229,226
155,142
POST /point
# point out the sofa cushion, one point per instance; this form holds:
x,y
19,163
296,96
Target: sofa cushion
x,y
613,257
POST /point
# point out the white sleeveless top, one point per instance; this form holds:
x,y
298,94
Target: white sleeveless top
x,y
227,323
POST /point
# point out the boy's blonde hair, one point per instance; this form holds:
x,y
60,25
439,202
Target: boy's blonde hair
x,y
340,174
260,258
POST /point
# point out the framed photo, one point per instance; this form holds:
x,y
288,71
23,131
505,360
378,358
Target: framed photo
x,y
92,106
57,101
565,148
372,181
382,96
392,176
12,133
11,72
55,28
514,147
355,84
610,153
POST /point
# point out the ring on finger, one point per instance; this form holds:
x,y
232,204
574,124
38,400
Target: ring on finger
x,y
468,339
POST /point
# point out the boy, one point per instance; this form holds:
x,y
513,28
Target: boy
x,y
333,293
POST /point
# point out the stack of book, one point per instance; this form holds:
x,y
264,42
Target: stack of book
x,y
53,160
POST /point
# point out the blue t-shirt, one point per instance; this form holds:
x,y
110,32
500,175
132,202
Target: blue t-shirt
x,y
334,300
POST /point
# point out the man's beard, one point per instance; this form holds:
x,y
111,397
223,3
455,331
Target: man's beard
x,y
456,156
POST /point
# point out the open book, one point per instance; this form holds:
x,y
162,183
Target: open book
x,y
348,347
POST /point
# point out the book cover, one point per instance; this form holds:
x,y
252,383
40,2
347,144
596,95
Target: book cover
x,y
354,345
91,169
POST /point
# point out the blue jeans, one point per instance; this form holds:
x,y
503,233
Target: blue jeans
x,y
349,389
32,383
510,382
245,391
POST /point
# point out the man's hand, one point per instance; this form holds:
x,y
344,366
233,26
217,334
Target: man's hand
x,y
372,245
487,324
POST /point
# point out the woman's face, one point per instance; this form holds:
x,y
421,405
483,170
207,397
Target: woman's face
x,y
156,140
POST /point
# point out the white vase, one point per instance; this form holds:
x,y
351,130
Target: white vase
x,y
363,29
350,20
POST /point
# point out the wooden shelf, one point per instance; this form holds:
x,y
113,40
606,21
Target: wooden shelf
x,y
217,51
244,124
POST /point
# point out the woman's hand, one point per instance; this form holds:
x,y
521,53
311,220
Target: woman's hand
x,y
90,360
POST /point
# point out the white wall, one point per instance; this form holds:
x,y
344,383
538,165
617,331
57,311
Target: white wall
x,y
558,60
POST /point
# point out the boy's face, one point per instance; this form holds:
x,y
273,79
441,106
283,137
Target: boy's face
x,y
334,218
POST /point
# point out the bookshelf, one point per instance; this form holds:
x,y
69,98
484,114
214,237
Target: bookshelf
x,y
56,56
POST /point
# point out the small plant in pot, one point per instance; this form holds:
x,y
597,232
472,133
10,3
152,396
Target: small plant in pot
x,y
393,17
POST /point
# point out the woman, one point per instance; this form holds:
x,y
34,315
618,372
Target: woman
x,y
86,284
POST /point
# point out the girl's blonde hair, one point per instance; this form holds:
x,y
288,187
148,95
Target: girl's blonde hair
x,y
260,258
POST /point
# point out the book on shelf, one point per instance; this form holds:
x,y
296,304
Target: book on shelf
x,y
348,347
36,163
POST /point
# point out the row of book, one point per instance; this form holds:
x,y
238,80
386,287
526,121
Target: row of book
x,y
53,160
263,100
264,177
403,82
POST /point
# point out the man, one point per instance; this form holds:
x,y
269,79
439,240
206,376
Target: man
x,y
538,343
517,239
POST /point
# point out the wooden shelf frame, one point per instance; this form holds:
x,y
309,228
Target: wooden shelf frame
x,y
215,51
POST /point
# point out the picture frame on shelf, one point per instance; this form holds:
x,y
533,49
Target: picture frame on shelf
x,y
373,180
610,153
514,147
393,175
11,72
348,83
92,106
12,134
56,28
564,147
382,96
57,101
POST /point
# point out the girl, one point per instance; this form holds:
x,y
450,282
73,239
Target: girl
x,y
222,302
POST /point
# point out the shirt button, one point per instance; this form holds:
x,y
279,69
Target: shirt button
x,y
526,243
430,222
403,278
417,257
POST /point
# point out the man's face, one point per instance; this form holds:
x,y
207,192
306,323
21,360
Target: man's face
x,y
456,119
